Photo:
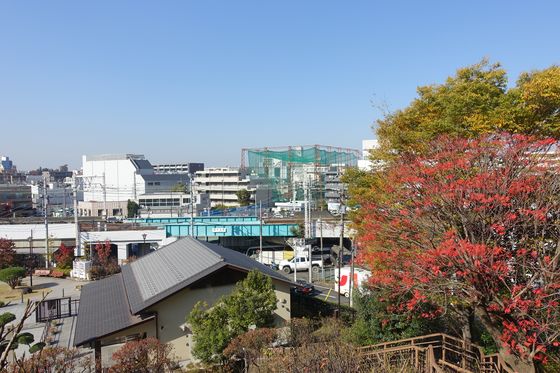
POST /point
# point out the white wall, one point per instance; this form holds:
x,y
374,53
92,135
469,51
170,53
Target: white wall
x,y
121,181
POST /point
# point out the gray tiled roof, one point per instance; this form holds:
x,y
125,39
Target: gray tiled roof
x,y
103,309
110,304
142,164
167,270
177,265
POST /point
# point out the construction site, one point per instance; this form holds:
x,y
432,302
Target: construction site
x,y
288,170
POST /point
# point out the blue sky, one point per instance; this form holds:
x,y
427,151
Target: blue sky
x,y
199,80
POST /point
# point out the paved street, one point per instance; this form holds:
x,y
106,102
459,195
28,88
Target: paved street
x,y
53,288
323,281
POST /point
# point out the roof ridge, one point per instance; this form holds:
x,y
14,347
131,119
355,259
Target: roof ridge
x,y
125,290
206,246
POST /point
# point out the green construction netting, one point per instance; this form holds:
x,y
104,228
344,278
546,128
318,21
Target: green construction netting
x,y
311,155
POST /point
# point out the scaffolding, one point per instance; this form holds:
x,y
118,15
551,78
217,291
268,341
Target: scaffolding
x,y
287,170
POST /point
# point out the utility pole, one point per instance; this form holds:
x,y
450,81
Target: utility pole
x,y
192,205
64,201
323,266
260,232
104,215
171,207
308,229
46,214
351,291
77,226
341,243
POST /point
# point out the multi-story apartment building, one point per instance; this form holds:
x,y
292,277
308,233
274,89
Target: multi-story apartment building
x,y
222,185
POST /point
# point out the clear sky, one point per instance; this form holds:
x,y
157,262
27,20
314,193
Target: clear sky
x,y
199,80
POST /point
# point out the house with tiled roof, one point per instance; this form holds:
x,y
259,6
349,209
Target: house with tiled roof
x,y
152,296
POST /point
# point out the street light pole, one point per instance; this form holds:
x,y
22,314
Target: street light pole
x,y
260,233
30,265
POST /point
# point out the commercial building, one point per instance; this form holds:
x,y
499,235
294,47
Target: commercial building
x,y
6,165
59,193
109,181
172,204
15,200
31,237
367,146
178,168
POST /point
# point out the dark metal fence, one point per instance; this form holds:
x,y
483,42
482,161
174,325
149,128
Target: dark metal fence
x,y
50,309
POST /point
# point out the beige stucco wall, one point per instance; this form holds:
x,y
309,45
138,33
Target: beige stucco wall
x,y
148,327
172,313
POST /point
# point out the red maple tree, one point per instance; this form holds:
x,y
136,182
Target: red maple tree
x,y
7,253
472,226
103,251
64,256
144,355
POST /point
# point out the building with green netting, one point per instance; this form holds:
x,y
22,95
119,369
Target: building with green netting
x,y
288,170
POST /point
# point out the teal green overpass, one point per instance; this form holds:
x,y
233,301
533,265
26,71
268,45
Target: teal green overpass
x,y
196,219
230,229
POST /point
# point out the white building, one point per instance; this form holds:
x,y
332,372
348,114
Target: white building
x,y
170,204
109,181
222,184
367,145
178,168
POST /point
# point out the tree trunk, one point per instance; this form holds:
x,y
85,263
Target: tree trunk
x,y
513,362
465,318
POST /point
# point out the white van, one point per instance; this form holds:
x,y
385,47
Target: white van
x,y
361,277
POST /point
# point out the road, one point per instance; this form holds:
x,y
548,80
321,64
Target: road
x,y
322,291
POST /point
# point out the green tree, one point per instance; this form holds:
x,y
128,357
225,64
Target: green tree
x,y
210,329
132,209
475,101
298,230
243,197
179,188
12,275
251,304
378,321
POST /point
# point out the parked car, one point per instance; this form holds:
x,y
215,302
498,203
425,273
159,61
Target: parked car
x,y
304,287
300,263
273,265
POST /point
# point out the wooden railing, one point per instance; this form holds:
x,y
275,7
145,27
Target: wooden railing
x,y
436,353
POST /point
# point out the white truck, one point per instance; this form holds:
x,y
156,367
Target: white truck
x,y
300,263
361,277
